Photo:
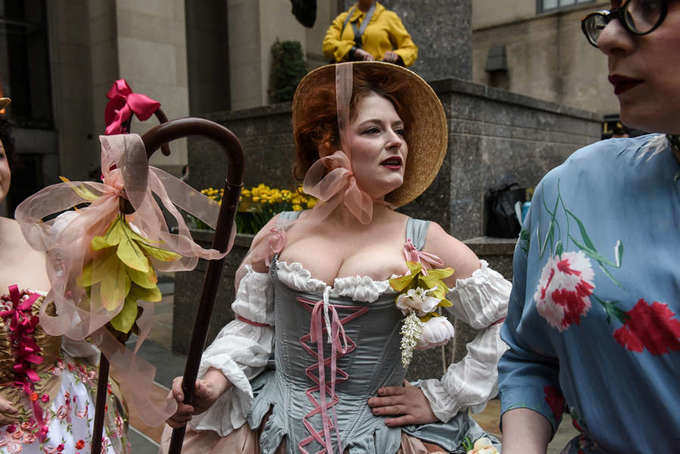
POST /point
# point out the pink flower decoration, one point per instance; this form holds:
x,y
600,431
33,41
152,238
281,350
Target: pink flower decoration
x,y
651,326
562,295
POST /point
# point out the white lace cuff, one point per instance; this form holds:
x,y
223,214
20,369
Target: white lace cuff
x,y
481,301
240,351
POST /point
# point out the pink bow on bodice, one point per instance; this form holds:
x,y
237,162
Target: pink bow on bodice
x,y
123,103
424,258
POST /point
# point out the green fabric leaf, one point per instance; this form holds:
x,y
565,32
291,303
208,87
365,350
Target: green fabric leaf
x,y
126,318
111,238
151,295
129,253
145,280
159,254
116,284
582,229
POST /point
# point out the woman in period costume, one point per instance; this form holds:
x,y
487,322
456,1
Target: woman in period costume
x,y
341,294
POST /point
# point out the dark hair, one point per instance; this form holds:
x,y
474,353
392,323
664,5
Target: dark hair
x,y
7,139
319,123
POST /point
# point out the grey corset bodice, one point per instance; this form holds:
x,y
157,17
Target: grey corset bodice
x,y
373,357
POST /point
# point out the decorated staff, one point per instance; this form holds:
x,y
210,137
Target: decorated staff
x,y
103,258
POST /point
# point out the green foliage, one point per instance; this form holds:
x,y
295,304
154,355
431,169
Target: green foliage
x,y
288,68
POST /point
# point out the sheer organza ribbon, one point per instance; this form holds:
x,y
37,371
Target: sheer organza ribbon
x,y
123,103
330,179
66,240
22,326
412,254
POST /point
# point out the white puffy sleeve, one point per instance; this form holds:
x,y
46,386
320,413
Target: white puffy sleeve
x,y
240,351
480,300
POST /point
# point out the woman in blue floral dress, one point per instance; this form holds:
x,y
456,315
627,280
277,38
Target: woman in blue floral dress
x,y
594,319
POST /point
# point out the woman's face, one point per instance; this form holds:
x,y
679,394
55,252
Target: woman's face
x,y
644,71
5,173
379,149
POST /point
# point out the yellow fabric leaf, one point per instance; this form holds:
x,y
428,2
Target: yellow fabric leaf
x,y
445,303
112,237
146,280
126,318
96,270
152,295
399,284
115,285
160,254
134,235
81,190
130,254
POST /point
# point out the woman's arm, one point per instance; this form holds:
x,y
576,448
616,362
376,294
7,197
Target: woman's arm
x,y
480,299
525,432
334,47
238,354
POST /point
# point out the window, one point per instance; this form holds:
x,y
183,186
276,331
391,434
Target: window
x,y
545,6
24,62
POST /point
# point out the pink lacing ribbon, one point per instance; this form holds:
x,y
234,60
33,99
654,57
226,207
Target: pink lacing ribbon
x,y
22,326
427,260
123,103
341,345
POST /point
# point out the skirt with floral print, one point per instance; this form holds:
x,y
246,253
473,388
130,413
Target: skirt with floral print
x,y
69,417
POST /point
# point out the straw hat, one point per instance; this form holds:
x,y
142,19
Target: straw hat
x,y
4,102
428,132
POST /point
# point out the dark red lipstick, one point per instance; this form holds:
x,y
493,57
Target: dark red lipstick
x,y
622,83
393,163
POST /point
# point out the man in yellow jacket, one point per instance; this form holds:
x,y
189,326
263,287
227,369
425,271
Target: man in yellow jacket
x,y
369,31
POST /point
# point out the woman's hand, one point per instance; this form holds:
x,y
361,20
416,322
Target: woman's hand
x,y
408,402
207,391
7,412
360,54
390,57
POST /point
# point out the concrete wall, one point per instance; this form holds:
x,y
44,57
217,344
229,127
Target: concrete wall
x,y
492,133
547,55
152,56
486,13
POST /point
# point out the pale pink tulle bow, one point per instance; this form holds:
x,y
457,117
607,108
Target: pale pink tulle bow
x,y
331,180
77,313
123,103
426,259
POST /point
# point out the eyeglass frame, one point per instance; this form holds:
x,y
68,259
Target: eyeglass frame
x,y
620,14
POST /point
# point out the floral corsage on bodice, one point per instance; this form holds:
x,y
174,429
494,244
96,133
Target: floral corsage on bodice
x,y
421,292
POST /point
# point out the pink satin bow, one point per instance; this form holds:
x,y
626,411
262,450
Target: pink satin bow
x,y
22,325
123,103
424,258
337,186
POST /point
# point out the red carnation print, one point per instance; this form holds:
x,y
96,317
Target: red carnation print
x,y
554,398
563,293
80,444
654,327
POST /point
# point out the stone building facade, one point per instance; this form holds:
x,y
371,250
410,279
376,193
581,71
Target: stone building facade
x,y
541,52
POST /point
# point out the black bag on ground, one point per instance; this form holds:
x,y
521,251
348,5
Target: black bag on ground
x,y
499,203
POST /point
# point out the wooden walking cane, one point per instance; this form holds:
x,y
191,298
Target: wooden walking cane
x,y
153,139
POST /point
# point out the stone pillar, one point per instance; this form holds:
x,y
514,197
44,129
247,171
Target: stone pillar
x,y
441,29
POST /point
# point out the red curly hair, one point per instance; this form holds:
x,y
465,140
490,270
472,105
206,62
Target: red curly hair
x,y
319,123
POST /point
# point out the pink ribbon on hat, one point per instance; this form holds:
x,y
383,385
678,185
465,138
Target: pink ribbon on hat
x,y
123,103
337,186
66,241
412,254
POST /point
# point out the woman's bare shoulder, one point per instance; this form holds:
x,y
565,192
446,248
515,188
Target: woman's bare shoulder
x,y
453,252
21,263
